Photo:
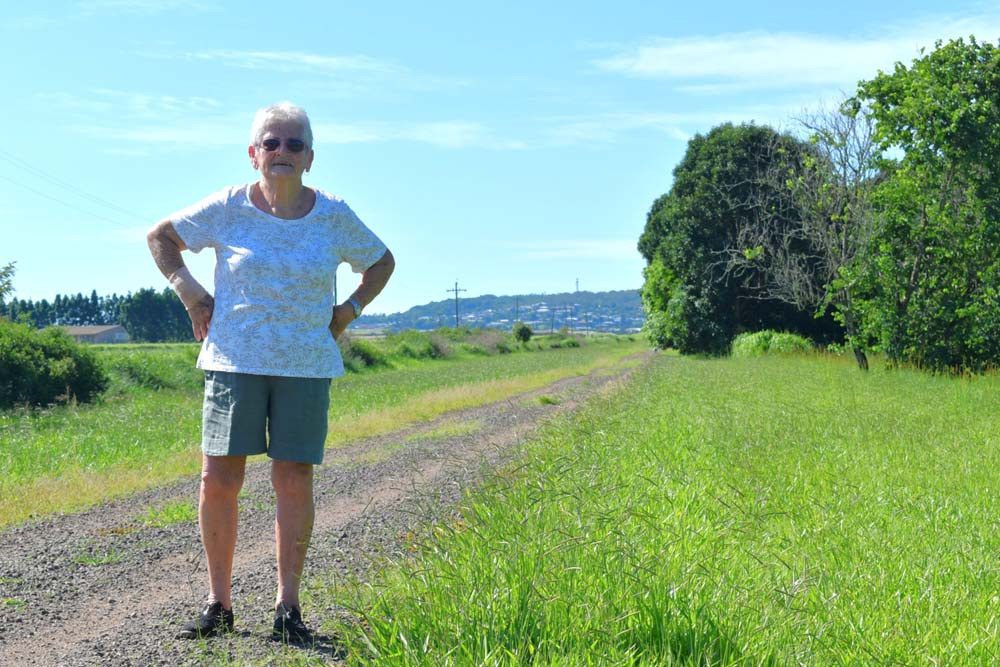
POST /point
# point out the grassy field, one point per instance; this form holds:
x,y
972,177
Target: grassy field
x,y
146,429
767,511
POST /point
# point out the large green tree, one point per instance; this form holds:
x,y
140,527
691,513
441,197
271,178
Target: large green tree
x,y
696,299
935,274
154,317
814,261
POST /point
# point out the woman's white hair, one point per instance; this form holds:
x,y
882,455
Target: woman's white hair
x,y
280,112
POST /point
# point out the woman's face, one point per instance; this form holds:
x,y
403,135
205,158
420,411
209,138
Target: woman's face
x,y
282,162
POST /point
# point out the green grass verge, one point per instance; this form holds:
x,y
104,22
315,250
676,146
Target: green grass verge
x,y
146,429
769,511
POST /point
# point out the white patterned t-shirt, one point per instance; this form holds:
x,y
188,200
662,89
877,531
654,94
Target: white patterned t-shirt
x,y
274,281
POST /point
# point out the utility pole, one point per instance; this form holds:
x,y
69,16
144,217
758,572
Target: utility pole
x,y
515,308
577,284
456,291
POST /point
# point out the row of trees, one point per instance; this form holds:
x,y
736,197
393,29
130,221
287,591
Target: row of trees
x,y
147,315
880,227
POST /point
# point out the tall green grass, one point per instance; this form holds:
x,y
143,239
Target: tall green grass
x,y
147,428
764,511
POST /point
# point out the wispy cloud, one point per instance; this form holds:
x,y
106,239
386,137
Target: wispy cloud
x,y
364,70
611,127
183,138
605,249
128,104
131,123
458,135
444,134
295,60
142,7
197,128
128,235
734,62
608,127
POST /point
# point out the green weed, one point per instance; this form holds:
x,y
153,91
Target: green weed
x,y
97,555
170,514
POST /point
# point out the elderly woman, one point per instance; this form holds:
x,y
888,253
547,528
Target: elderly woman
x,y
269,348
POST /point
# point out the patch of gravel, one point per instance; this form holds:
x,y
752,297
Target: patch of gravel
x,y
102,587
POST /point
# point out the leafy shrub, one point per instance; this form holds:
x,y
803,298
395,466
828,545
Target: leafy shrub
x,y
789,343
359,354
43,367
571,342
411,344
522,332
764,342
440,345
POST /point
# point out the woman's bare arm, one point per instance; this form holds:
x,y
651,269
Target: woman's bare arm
x,y
165,245
373,281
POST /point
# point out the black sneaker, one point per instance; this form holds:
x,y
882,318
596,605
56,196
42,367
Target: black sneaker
x,y
288,626
212,620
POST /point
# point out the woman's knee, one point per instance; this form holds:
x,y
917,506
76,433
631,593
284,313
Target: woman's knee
x,y
222,476
289,477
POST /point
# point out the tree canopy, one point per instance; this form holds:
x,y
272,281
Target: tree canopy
x,y
727,182
934,279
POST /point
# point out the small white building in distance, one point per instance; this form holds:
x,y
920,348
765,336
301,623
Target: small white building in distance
x,y
106,333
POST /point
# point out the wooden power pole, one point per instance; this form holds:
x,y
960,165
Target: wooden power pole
x,y
456,291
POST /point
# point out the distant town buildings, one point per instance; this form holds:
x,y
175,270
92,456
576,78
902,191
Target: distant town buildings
x,y
612,312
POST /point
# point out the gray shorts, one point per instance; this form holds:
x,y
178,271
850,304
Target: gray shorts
x,y
284,417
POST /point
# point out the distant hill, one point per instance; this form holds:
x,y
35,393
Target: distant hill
x,y
616,311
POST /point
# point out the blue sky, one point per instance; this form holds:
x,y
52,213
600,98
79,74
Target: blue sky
x,y
514,146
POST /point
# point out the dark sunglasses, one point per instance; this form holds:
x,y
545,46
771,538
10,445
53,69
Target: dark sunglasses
x,y
294,145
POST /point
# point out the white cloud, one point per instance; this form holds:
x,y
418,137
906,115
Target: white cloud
x,y
452,134
213,133
134,235
610,126
144,7
373,70
734,62
445,134
104,101
607,249
350,133
295,60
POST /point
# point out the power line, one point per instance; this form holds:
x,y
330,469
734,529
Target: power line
x,y
60,201
94,199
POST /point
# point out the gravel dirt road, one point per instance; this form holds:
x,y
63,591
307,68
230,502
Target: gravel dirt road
x,y
103,588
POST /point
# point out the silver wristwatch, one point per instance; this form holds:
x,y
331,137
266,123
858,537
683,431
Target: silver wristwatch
x,y
356,305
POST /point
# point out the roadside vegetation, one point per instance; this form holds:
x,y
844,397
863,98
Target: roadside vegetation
x,y
770,510
144,429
